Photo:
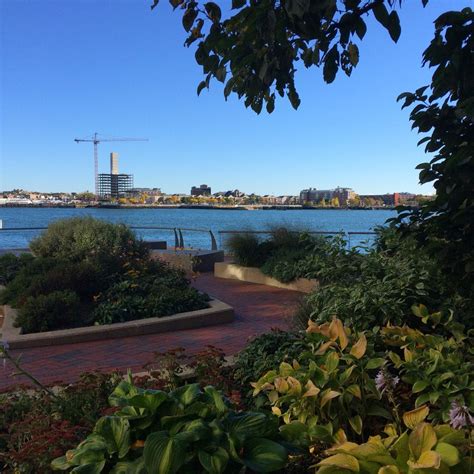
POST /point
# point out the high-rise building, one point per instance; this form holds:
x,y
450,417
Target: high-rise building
x,y
114,169
114,184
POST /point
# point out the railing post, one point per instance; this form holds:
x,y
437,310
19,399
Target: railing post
x,y
181,240
213,241
176,241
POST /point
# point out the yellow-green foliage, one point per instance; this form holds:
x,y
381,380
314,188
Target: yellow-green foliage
x,y
330,387
421,449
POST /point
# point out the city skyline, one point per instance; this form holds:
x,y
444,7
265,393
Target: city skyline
x,y
74,77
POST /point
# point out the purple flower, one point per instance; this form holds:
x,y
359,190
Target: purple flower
x,y
459,416
384,380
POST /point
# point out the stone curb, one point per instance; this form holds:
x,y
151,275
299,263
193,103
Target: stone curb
x,y
217,313
254,275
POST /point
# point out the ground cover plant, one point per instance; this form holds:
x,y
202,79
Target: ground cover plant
x,y
84,272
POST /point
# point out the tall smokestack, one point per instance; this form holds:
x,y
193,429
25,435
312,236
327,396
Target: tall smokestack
x,y
114,163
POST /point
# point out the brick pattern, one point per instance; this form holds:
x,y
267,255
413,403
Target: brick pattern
x,y
257,308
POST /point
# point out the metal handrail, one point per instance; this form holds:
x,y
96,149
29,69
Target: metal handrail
x,y
178,232
317,232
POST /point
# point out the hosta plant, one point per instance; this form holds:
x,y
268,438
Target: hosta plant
x,y
186,430
439,369
422,449
330,387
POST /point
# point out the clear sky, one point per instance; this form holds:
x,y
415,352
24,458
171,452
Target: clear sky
x,y
71,68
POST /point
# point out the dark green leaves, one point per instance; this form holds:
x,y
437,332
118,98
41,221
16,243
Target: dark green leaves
x,y
331,65
188,18
264,455
215,462
238,4
214,11
390,21
116,433
163,453
176,3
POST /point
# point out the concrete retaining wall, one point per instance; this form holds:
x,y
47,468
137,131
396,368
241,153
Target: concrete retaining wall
x,y
217,313
254,275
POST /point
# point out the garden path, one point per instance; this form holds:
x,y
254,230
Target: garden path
x,y
258,308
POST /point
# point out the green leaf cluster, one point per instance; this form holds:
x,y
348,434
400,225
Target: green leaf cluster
x,y
439,369
187,430
330,387
255,50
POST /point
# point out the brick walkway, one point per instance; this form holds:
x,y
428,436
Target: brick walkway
x,y
257,308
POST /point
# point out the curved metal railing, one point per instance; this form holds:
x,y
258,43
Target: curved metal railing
x,y
177,231
346,234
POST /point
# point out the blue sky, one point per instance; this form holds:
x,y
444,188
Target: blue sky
x,y
70,68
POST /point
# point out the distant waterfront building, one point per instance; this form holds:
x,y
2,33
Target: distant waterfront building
x,y
313,195
114,184
203,190
389,199
148,191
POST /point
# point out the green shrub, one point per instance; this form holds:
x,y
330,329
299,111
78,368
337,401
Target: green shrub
x,y
10,265
56,310
380,285
83,238
73,283
46,275
287,255
150,289
186,430
248,250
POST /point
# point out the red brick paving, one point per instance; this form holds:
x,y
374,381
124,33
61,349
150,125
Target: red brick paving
x,y
257,308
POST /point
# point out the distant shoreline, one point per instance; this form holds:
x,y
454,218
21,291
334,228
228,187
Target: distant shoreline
x,y
251,207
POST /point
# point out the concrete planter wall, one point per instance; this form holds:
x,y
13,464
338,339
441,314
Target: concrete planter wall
x,y
191,260
254,275
217,313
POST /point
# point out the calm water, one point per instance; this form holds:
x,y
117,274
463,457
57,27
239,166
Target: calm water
x,y
216,220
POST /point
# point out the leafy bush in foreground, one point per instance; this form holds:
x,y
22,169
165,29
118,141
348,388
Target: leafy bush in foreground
x,y
59,309
86,238
10,265
92,272
381,285
186,430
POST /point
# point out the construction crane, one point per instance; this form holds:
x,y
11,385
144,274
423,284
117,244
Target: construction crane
x,y
96,140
